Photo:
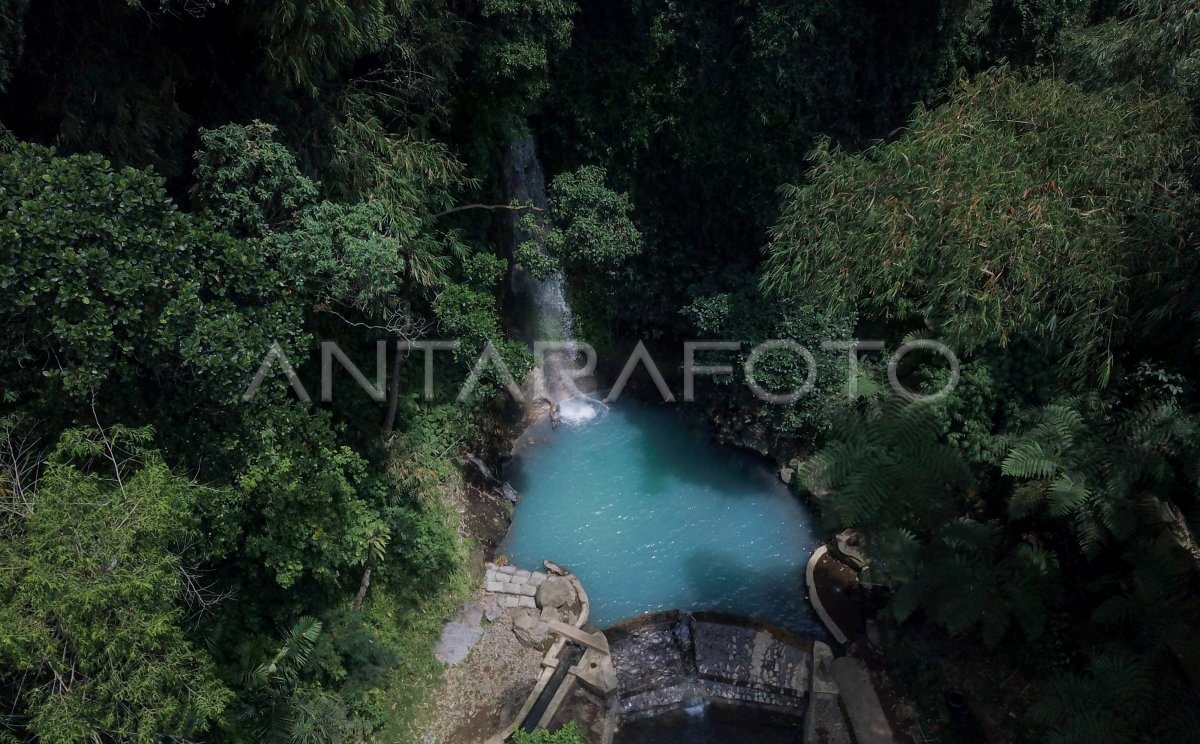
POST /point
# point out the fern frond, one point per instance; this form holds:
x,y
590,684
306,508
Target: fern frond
x,y
1067,496
1029,460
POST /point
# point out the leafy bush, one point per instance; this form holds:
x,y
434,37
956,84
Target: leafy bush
x,y
106,282
569,734
249,180
591,227
888,474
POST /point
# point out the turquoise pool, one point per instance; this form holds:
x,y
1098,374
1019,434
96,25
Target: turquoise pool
x,y
651,515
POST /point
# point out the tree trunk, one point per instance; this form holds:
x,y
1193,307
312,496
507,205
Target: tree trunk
x,y
363,585
389,421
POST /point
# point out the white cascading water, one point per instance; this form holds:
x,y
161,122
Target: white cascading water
x,y
551,318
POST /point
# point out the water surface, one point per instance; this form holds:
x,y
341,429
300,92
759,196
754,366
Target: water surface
x,y
707,727
651,515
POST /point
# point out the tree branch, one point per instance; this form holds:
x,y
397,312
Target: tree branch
x,y
465,207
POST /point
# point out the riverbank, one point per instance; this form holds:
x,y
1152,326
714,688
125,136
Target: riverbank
x,y
482,693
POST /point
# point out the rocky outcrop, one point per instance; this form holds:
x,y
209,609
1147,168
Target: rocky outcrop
x,y
789,471
577,681
532,599
749,431
529,628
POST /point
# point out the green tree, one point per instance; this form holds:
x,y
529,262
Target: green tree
x,y
1105,469
307,507
95,595
1155,42
591,227
752,320
309,42
277,705
520,41
249,180
108,284
974,223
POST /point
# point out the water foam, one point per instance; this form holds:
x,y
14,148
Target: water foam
x,y
576,411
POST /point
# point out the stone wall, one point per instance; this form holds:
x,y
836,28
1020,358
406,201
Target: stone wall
x,y
513,587
669,660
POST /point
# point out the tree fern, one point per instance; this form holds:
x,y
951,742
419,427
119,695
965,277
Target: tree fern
x,y
891,476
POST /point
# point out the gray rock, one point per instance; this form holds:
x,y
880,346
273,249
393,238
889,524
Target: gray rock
x,y
506,569
873,637
509,493
522,574
472,613
524,619
456,641
537,577
528,590
495,586
491,608
786,475
851,544
555,591
508,601
526,602
529,628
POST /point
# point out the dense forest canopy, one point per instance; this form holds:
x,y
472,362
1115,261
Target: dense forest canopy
x,y
186,183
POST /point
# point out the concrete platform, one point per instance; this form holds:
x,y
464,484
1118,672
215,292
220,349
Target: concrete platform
x,y
861,702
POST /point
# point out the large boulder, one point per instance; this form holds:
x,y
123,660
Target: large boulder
x,y
555,591
529,628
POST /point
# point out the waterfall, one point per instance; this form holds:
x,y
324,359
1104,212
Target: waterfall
x,y
547,312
